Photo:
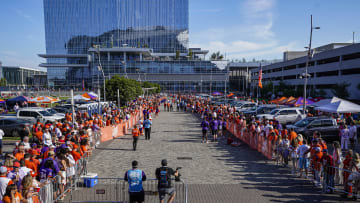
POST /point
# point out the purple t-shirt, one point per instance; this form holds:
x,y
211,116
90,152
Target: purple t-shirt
x,y
205,125
45,173
214,124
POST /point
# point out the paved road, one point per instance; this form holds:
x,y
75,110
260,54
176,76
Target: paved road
x,y
216,172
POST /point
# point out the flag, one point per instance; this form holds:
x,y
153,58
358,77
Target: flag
x,y
83,85
260,77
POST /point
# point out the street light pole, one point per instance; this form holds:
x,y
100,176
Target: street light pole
x,y
101,69
307,63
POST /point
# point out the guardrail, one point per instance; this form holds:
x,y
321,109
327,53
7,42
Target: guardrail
x,y
116,190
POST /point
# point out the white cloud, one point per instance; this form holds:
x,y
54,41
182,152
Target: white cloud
x,y
24,15
252,37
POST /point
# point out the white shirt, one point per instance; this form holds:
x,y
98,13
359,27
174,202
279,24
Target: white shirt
x,y
1,134
345,133
4,181
58,132
302,149
353,132
47,139
27,146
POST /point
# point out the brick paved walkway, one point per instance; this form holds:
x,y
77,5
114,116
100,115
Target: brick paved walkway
x,y
216,173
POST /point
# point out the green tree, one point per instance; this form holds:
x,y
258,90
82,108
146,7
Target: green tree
x,y
243,60
267,89
358,86
216,56
340,90
190,54
177,56
147,84
129,89
3,82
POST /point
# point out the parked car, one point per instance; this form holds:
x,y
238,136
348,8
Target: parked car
x,y
262,109
327,127
284,115
12,126
244,106
34,113
61,110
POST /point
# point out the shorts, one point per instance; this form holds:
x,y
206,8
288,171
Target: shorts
x,y
304,163
214,132
137,196
204,132
165,191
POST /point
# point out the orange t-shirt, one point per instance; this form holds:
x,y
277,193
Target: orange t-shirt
x,y
292,135
19,156
76,155
17,198
135,132
31,165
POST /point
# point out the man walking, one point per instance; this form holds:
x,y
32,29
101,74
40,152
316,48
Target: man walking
x,y
135,177
147,125
135,133
163,175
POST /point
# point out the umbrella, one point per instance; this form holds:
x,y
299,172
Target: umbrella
x,y
286,100
217,93
230,95
18,99
90,95
80,97
43,99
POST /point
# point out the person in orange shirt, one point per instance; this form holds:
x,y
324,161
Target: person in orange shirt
x,y
30,164
135,133
292,135
12,195
20,154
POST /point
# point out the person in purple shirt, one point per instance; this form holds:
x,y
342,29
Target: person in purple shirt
x,y
214,124
56,168
47,171
205,127
219,128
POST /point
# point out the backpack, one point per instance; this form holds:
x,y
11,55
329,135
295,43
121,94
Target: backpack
x,y
164,181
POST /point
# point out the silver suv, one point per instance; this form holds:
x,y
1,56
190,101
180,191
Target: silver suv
x,y
284,115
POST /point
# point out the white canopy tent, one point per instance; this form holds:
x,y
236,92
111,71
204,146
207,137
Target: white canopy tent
x,y
338,105
80,97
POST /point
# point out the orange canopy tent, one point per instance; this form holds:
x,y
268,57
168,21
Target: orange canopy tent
x,y
278,100
287,100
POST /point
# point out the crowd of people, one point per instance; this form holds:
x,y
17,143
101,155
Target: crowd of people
x,y
328,169
51,152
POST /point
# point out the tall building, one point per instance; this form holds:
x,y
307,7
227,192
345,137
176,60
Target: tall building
x,y
88,41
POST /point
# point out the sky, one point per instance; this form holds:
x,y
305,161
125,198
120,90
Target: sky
x,y
259,29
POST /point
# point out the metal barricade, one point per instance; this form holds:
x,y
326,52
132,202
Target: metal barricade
x,y
95,139
116,190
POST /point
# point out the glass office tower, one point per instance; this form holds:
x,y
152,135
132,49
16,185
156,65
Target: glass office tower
x,y
130,35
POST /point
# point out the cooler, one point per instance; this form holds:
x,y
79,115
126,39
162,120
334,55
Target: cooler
x,y
90,179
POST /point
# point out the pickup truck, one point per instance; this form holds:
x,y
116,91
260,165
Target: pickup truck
x,y
327,127
33,114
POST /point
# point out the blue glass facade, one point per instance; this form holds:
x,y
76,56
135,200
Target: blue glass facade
x,y
73,27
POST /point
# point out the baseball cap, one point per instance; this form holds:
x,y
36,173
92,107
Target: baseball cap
x,y
164,162
22,144
51,153
3,169
52,146
16,164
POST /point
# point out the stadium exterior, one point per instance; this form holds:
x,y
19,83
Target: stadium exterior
x,y
146,40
